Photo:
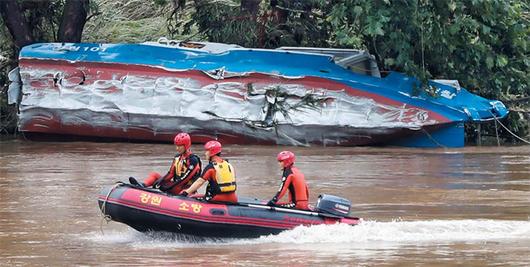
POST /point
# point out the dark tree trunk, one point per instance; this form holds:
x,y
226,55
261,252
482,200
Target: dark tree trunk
x,y
250,6
15,22
73,21
279,15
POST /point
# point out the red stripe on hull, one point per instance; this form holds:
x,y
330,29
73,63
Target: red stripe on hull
x,y
116,71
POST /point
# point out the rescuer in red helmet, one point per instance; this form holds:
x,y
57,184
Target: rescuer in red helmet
x,y
184,170
219,174
293,181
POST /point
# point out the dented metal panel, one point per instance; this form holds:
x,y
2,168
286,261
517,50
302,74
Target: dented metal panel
x,y
239,95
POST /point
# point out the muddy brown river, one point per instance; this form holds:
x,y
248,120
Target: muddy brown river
x,y
432,207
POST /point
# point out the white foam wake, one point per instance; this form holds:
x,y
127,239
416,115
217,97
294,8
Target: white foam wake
x,y
432,231
406,231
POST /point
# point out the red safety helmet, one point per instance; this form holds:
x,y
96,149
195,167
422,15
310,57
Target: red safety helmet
x,y
287,157
182,139
214,147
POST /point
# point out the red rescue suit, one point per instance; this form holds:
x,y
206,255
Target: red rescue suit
x,y
184,170
294,181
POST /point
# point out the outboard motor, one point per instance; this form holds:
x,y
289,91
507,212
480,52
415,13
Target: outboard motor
x,y
334,205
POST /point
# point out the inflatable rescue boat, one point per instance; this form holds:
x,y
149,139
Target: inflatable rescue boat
x,y
146,209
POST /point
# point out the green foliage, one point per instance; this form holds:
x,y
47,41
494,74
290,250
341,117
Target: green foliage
x,y
482,43
7,113
226,24
301,23
126,21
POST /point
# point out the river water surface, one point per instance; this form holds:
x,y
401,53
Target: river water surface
x,y
435,207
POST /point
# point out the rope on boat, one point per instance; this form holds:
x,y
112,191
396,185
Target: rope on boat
x,y
506,128
107,217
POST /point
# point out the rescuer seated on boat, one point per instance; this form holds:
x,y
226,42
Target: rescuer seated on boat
x,y
184,170
219,174
293,181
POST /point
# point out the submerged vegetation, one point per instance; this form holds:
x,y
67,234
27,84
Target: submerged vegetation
x,y
482,43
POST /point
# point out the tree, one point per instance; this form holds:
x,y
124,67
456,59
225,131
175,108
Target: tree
x,y
25,20
16,23
73,21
